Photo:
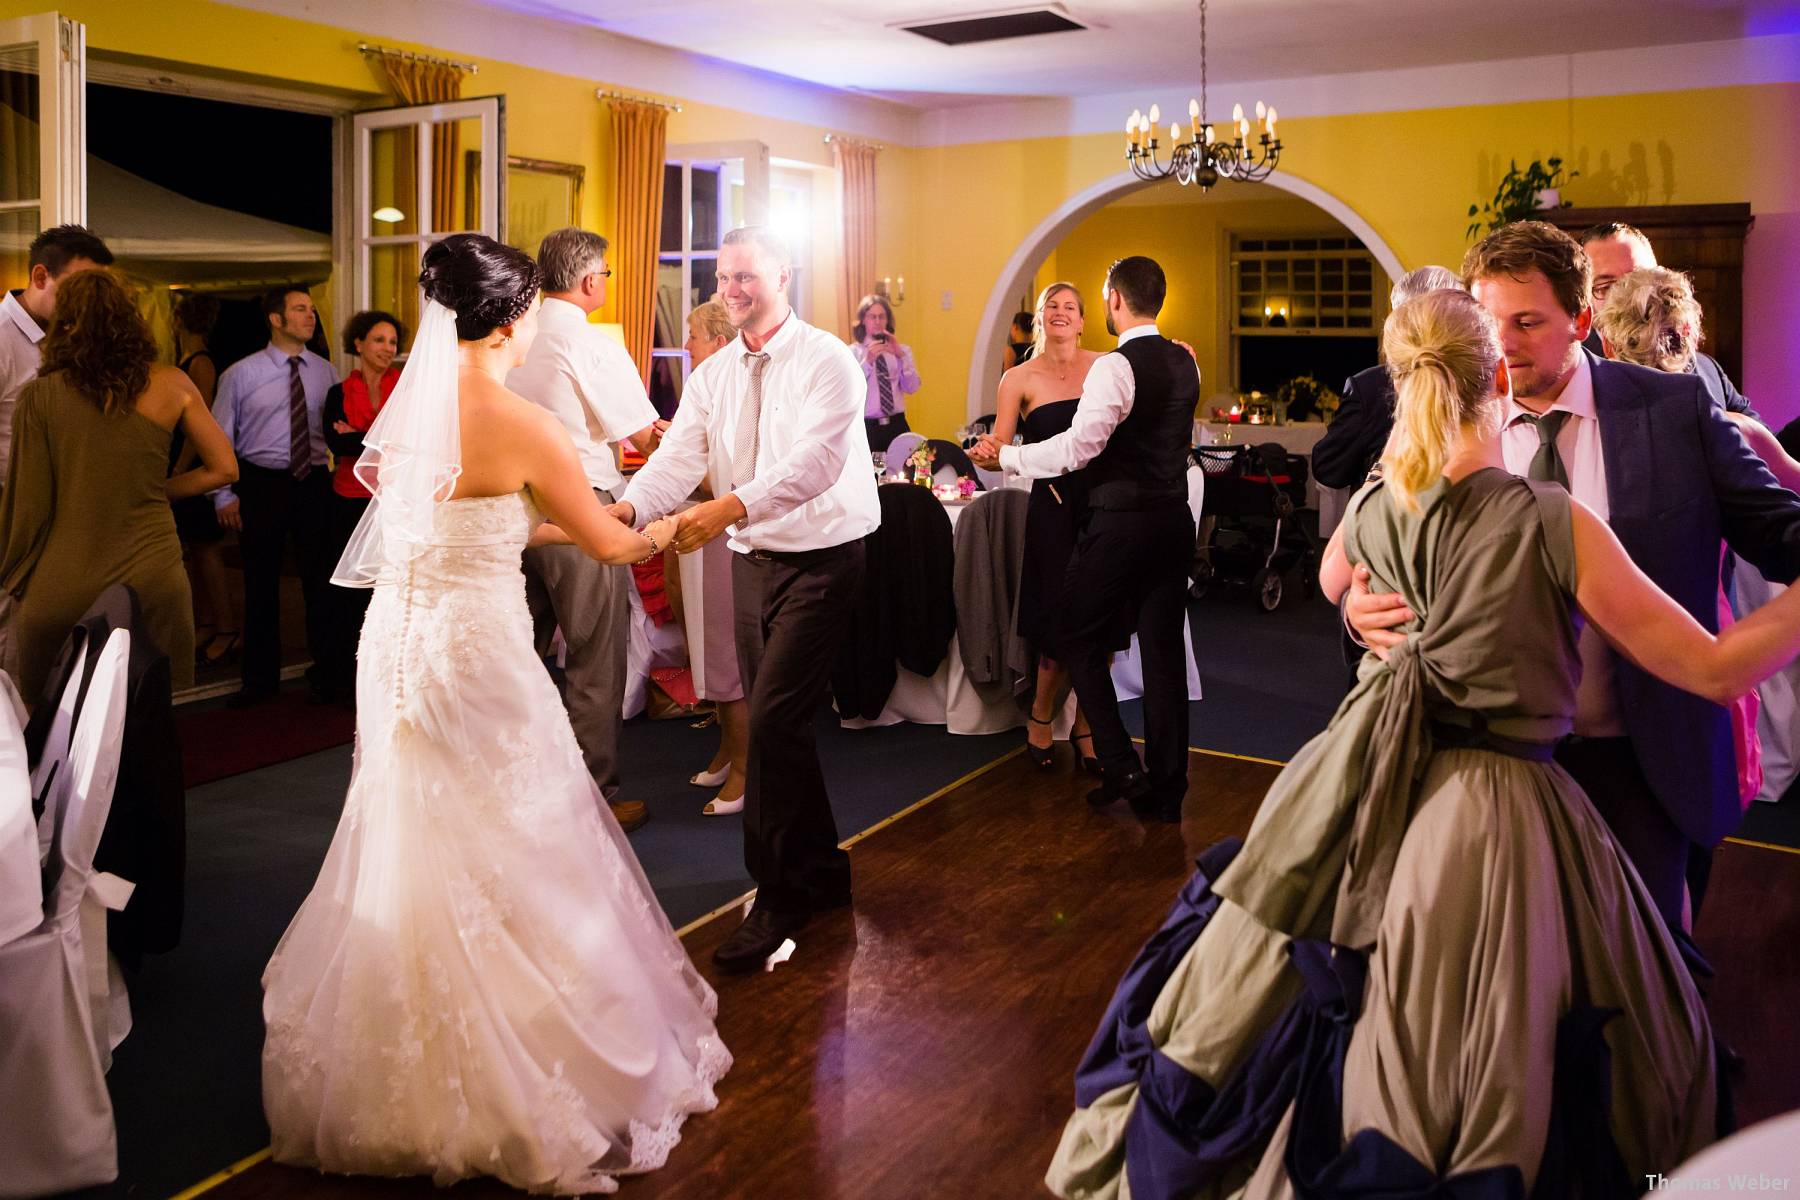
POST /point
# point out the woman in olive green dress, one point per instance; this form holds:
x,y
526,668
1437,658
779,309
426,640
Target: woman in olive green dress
x,y
87,502
1428,969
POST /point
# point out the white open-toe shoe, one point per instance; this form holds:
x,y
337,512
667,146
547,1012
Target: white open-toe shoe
x,y
723,808
710,778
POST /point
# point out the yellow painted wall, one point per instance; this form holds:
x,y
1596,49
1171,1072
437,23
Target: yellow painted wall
x,y
952,216
1412,176
1190,241
548,115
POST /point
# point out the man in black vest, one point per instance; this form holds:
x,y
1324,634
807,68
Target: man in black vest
x,y
1128,574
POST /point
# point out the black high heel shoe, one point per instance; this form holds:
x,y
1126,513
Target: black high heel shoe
x,y
1088,763
1041,756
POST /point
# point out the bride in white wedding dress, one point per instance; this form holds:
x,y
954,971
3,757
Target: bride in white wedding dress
x,y
481,982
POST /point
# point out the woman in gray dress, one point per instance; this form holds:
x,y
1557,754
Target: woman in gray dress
x,y
1410,977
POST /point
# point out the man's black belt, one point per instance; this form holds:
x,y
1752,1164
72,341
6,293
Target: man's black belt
x,y
1129,495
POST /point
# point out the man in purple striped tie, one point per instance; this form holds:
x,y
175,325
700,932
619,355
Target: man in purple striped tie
x,y
268,405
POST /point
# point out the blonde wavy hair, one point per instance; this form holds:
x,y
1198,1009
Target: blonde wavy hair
x,y
1443,354
1037,333
710,319
1651,318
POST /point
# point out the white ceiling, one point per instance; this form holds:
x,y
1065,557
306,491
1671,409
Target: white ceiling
x,y
851,44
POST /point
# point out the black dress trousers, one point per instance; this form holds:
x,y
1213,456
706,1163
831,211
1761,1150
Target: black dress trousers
x,y
1129,575
279,510
792,611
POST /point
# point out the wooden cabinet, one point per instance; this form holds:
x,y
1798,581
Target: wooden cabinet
x,y
1704,240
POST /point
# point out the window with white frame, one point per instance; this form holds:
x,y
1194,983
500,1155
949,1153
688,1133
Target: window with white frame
x,y
708,190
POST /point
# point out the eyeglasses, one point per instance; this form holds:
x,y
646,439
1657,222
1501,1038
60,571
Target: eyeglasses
x,y
606,274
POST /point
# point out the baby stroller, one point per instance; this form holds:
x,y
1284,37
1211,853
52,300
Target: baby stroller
x,y
1251,532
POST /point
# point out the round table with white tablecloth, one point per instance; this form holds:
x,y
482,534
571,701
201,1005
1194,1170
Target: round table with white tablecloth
x,y
951,699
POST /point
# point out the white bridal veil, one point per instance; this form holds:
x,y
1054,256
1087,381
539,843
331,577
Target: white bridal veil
x,y
411,458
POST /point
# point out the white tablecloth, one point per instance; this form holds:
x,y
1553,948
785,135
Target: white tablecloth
x,y
951,699
21,884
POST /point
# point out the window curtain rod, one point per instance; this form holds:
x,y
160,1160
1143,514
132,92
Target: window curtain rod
x,y
605,94
850,141
410,56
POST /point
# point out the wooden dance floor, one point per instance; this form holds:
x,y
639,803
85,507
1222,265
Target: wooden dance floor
x,y
924,1043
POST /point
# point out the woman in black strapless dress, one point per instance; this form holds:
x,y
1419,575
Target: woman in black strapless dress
x,y
1038,399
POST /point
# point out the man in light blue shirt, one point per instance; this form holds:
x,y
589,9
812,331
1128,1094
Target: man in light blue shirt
x,y
269,405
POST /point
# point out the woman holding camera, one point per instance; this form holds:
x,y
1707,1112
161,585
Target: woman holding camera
x,y
888,366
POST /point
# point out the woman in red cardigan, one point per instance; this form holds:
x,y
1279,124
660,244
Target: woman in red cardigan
x,y
373,337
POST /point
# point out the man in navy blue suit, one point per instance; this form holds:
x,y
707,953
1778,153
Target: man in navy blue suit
x,y
1654,455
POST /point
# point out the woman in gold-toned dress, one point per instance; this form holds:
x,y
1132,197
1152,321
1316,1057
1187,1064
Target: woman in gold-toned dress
x,y
87,497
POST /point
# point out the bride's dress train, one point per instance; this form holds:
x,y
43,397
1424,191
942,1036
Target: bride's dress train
x,y
481,982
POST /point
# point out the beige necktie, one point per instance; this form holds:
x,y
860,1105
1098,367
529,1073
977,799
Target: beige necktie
x,y
745,444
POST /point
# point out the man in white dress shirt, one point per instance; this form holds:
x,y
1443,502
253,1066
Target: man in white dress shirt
x,y
1128,573
774,423
589,381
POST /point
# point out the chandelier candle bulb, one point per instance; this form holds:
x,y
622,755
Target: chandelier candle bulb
x,y
1261,112
1237,113
1194,109
1155,116
1174,133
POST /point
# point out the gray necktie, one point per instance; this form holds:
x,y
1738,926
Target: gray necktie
x,y
744,445
1547,463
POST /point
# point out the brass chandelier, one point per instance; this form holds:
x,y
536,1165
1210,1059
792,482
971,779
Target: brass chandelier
x,y
1202,159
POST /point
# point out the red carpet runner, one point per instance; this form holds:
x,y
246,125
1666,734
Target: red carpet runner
x,y
218,741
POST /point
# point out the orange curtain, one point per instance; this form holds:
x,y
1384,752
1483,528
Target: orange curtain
x,y
856,208
640,136
420,82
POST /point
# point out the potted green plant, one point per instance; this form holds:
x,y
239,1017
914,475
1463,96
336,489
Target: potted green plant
x,y
1521,193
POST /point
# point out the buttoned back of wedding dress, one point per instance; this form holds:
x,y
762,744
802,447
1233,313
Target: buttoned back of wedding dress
x,y
481,981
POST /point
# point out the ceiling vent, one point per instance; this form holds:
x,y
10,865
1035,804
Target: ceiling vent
x,y
995,27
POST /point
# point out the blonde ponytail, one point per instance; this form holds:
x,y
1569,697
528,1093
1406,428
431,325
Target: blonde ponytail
x,y
1443,352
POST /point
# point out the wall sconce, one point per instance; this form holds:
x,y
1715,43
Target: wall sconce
x,y
893,287
1275,313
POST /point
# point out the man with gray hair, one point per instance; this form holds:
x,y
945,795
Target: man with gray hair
x,y
774,423
1352,446
590,383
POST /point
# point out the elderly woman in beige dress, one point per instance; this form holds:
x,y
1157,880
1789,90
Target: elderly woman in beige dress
x,y
1429,970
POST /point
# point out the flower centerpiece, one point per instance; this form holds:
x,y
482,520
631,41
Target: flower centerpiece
x,y
921,463
1304,398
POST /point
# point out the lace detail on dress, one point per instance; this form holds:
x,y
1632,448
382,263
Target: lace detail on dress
x,y
480,930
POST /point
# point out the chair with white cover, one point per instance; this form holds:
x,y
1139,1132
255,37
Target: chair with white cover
x,y
21,866
60,998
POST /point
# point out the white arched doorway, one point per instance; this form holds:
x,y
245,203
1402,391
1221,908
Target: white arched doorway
x,y
996,317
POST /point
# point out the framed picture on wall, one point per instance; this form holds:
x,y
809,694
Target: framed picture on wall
x,y
541,196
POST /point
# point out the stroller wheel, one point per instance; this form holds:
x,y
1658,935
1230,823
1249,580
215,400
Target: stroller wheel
x,y
1202,577
1265,587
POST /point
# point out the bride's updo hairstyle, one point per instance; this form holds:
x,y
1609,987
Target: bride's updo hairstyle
x,y
1442,352
485,283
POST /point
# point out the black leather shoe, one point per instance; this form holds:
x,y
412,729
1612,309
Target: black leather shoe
x,y
759,936
1153,808
1131,786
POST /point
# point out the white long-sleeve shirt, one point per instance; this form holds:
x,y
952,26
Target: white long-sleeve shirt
x,y
1107,395
814,485
1578,442
589,381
